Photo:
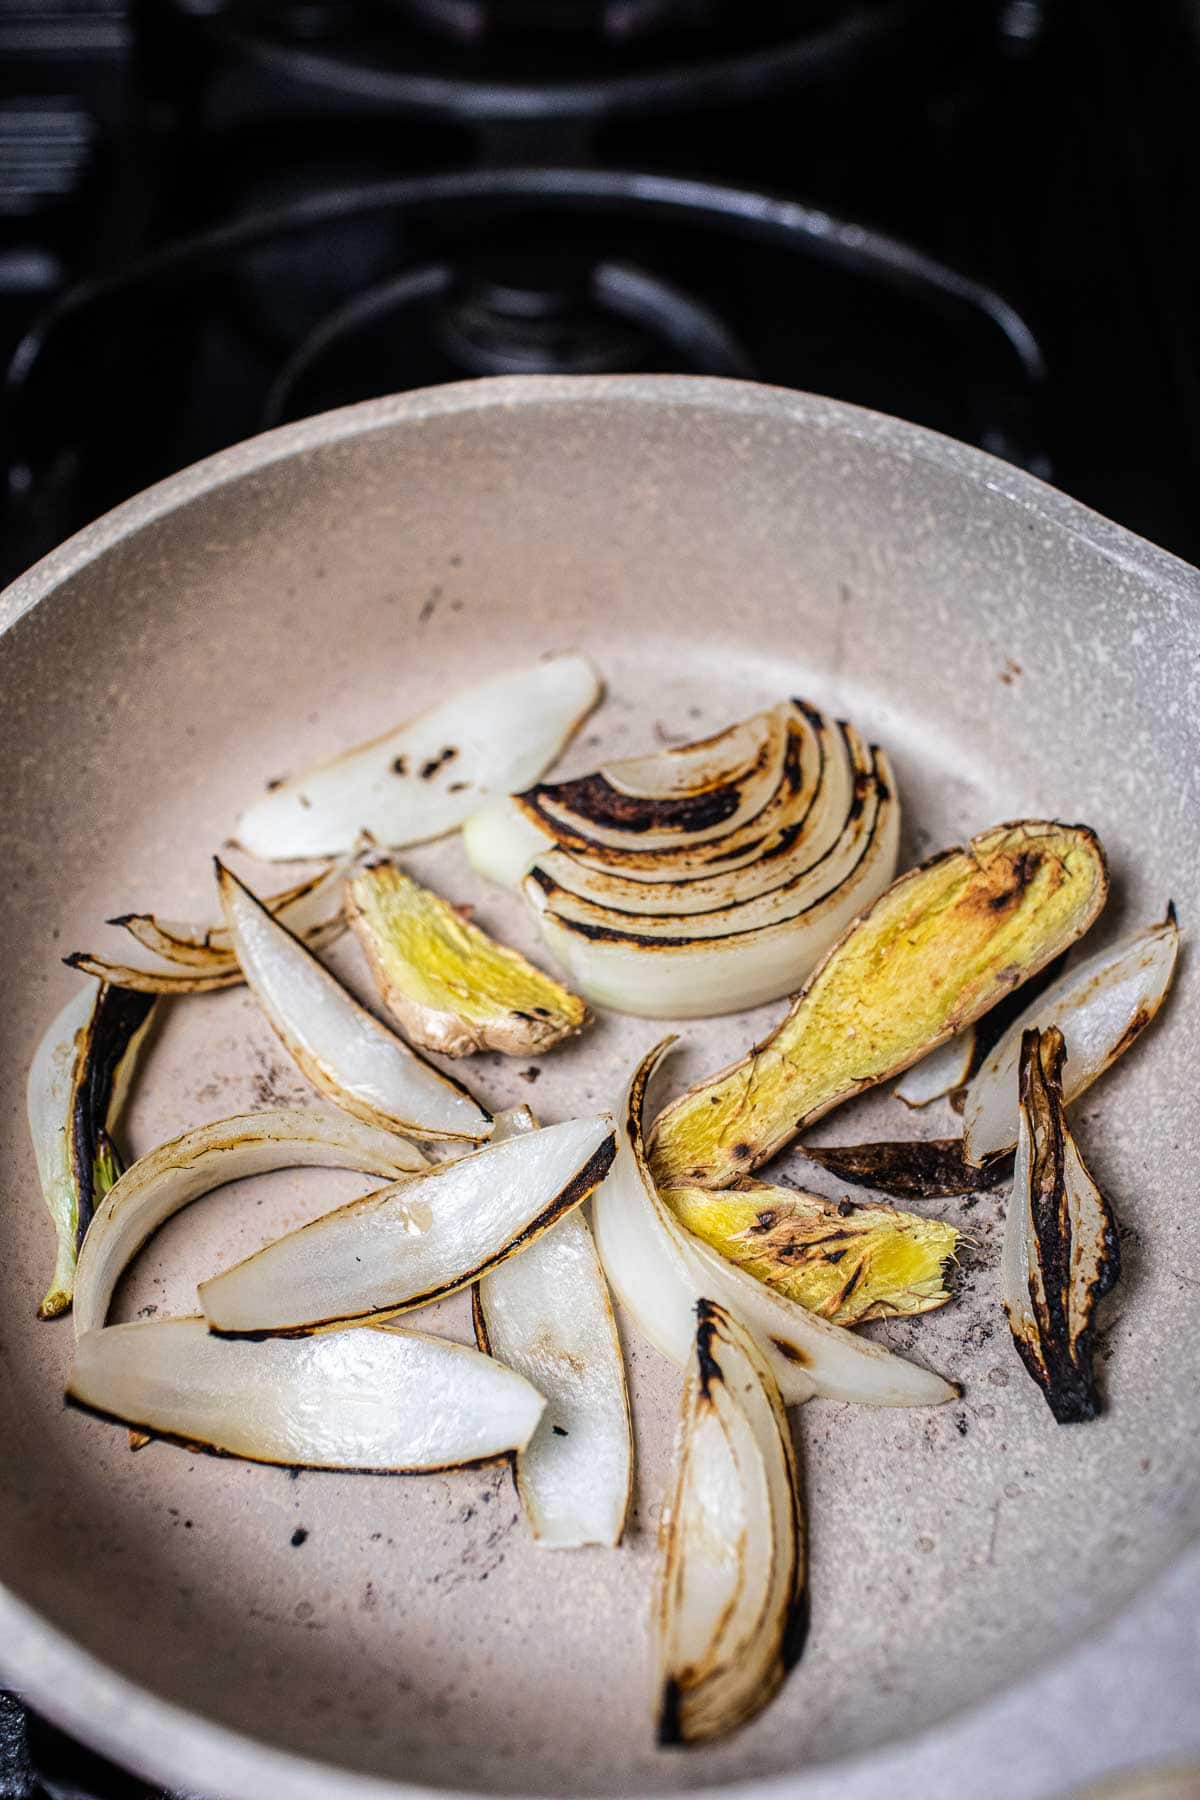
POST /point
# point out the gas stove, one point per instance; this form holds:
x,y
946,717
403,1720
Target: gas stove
x,y
219,215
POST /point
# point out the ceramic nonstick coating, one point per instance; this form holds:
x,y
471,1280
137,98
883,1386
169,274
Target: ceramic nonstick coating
x,y
714,546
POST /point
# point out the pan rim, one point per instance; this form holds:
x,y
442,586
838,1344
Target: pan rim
x,y
67,1683
1125,549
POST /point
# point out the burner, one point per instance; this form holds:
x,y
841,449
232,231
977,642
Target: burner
x,y
379,289
523,63
528,314
616,21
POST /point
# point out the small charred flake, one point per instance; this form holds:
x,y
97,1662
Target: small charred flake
x,y
1024,869
299,1536
855,1278
706,1330
670,1708
742,1153
560,1431
399,765
795,1630
531,1074
429,769
276,781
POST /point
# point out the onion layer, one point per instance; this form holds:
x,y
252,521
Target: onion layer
x,y
943,944
165,1180
408,1244
343,1050
546,1313
659,1272
77,1085
1061,1251
453,988
939,1073
731,1607
707,878
1102,1007
393,1401
426,777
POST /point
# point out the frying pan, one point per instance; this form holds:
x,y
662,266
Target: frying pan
x,y
714,546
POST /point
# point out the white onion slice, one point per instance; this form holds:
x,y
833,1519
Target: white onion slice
x,y
546,1313
939,1073
659,1272
416,1241
379,1399
426,777
347,1054
1101,1006
731,1608
77,1085
169,1178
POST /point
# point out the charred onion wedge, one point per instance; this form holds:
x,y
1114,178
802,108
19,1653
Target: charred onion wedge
x,y
343,1050
1061,1253
1102,1006
450,986
417,1240
396,1402
731,1603
706,878
847,1263
939,948
169,1178
77,1085
659,1271
917,1169
423,779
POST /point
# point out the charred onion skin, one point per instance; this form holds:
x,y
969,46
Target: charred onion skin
x,y
939,948
1073,1251
924,1169
708,1689
102,1051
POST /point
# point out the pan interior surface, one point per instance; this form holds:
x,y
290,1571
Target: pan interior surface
x,y
714,547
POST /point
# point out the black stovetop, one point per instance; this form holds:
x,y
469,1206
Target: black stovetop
x,y
216,215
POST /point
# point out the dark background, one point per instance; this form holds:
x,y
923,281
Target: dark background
x,y
217,215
